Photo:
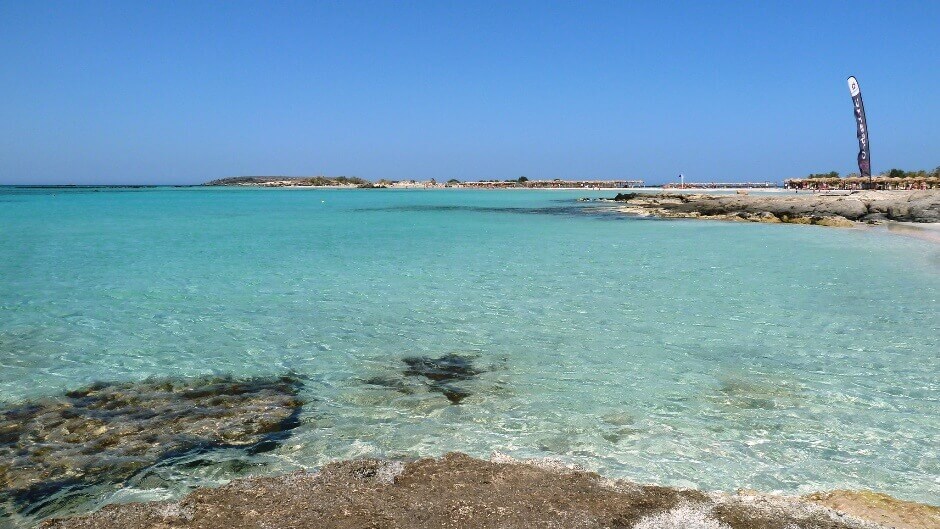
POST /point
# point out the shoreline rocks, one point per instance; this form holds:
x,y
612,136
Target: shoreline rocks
x,y
839,210
457,490
879,508
57,449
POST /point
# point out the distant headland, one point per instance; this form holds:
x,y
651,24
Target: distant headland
x,y
292,181
895,179
356,182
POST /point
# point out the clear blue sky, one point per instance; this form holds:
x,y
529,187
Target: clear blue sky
x,y
183,92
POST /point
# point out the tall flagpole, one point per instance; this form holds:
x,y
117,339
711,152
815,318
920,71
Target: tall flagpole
x,y
864,154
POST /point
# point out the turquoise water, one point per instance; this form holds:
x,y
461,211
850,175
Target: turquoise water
x,y
692,353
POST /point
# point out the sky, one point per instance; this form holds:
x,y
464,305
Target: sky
x,y
181,92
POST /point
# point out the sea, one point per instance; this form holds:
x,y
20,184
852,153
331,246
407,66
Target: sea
x,y
705,354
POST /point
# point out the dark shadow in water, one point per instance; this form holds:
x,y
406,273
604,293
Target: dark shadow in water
x,y
476,209
58,452
443,373
447,368
572,208
446,375
390,383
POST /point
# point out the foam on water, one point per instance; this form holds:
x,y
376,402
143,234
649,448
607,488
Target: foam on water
x,y
706,354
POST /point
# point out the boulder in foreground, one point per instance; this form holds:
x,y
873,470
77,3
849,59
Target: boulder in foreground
x,y
459,491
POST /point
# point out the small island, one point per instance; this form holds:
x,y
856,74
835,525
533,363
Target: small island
x,y
293,181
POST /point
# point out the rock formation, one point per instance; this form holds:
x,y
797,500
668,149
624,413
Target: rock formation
x,y
823,209
459,491
107,432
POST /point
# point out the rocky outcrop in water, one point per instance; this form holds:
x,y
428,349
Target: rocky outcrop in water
x,y
459,491
107,432
823,209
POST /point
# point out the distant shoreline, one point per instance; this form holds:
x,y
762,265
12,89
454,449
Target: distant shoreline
x,y
403,187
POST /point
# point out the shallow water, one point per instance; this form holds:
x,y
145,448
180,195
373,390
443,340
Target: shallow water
x,y
693,353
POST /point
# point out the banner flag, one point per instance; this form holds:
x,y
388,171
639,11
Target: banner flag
x,y
864,155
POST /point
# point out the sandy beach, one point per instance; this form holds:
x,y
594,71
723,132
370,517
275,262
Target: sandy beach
x,y
924,231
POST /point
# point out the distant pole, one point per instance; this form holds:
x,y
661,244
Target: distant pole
x,y
682,180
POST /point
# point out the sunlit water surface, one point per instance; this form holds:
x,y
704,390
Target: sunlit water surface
x,y
692,353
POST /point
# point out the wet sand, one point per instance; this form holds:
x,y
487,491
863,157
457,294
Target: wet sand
x,y
926,232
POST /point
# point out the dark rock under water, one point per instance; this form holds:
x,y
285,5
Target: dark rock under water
x,y
443,372
446,375
106,433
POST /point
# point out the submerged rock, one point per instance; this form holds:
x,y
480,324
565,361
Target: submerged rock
x,y
107,432
451,375
459,491
443,372
447,368
757,394
390,383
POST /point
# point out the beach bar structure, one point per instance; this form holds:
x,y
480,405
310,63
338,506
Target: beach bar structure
x,y
555,184
858,182
720,185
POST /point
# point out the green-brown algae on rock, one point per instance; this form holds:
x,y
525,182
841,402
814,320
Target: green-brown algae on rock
x,y
107,432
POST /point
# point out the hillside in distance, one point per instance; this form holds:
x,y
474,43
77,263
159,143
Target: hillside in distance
x,y
312,181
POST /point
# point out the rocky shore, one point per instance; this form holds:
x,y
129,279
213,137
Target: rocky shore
x,y
826,209
60,450
459,491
